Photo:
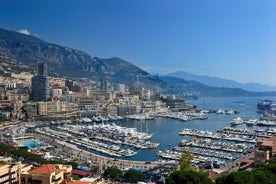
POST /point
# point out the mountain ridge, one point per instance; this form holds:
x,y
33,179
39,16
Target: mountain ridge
x,y
220,82
202,90
20,52
67,62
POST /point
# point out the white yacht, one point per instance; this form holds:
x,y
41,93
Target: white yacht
x,y
251,122
237,121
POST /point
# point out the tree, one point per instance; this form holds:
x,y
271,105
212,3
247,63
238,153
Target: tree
x,y
112,173
188,176
239,177
73,164
272,160
28,156
75,177
134,176
185,161
263,176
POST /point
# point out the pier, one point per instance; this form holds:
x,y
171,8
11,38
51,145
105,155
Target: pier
x,y
105,139
257,133
221,136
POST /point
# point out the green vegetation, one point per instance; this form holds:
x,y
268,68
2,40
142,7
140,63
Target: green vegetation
x,y
73,164
112,173
261,175
186,174
186,160
115,174
28,156
134,176
256,176
75,177
23,153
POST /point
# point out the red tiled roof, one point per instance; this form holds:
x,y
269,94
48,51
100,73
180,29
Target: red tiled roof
x,y
46,169
80,172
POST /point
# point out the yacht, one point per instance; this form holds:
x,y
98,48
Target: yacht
x,y
266,106
251,122
220,111
266,123
237,121
128,153
230,112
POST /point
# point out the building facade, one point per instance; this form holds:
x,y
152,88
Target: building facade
x,y
41,84
264,150
126,110
48,174
54,108
10,173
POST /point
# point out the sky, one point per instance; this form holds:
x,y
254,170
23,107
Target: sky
x,y
230,39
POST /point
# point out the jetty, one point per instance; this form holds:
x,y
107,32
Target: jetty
x,y
102,138
220,136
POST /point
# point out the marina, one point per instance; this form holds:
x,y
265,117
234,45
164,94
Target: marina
x,y
224,146
209,153
167,137
251,122
111,150
226,143
221,136
259,133
184,116
102,138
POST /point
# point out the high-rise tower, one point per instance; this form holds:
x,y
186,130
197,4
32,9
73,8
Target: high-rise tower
x,y
41,83
42,70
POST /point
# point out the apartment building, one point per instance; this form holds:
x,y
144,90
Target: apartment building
x,y
48,174
10,173
55,107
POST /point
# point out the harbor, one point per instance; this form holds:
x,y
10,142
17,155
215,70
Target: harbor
x,y
224,135
235,138
226,146
102,138
163,137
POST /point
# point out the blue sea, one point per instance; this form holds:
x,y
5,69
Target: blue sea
x,y
166,131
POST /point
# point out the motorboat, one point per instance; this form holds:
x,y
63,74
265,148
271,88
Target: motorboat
x,y
237,121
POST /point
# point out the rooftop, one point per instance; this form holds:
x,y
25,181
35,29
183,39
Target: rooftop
x,y
46,169
80,172
269,142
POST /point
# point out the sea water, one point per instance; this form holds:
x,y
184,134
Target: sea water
x,y
166,131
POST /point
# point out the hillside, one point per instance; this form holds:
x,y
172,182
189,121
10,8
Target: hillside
x,y
22,52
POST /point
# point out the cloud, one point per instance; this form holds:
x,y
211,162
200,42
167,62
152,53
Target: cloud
x,y
24,31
